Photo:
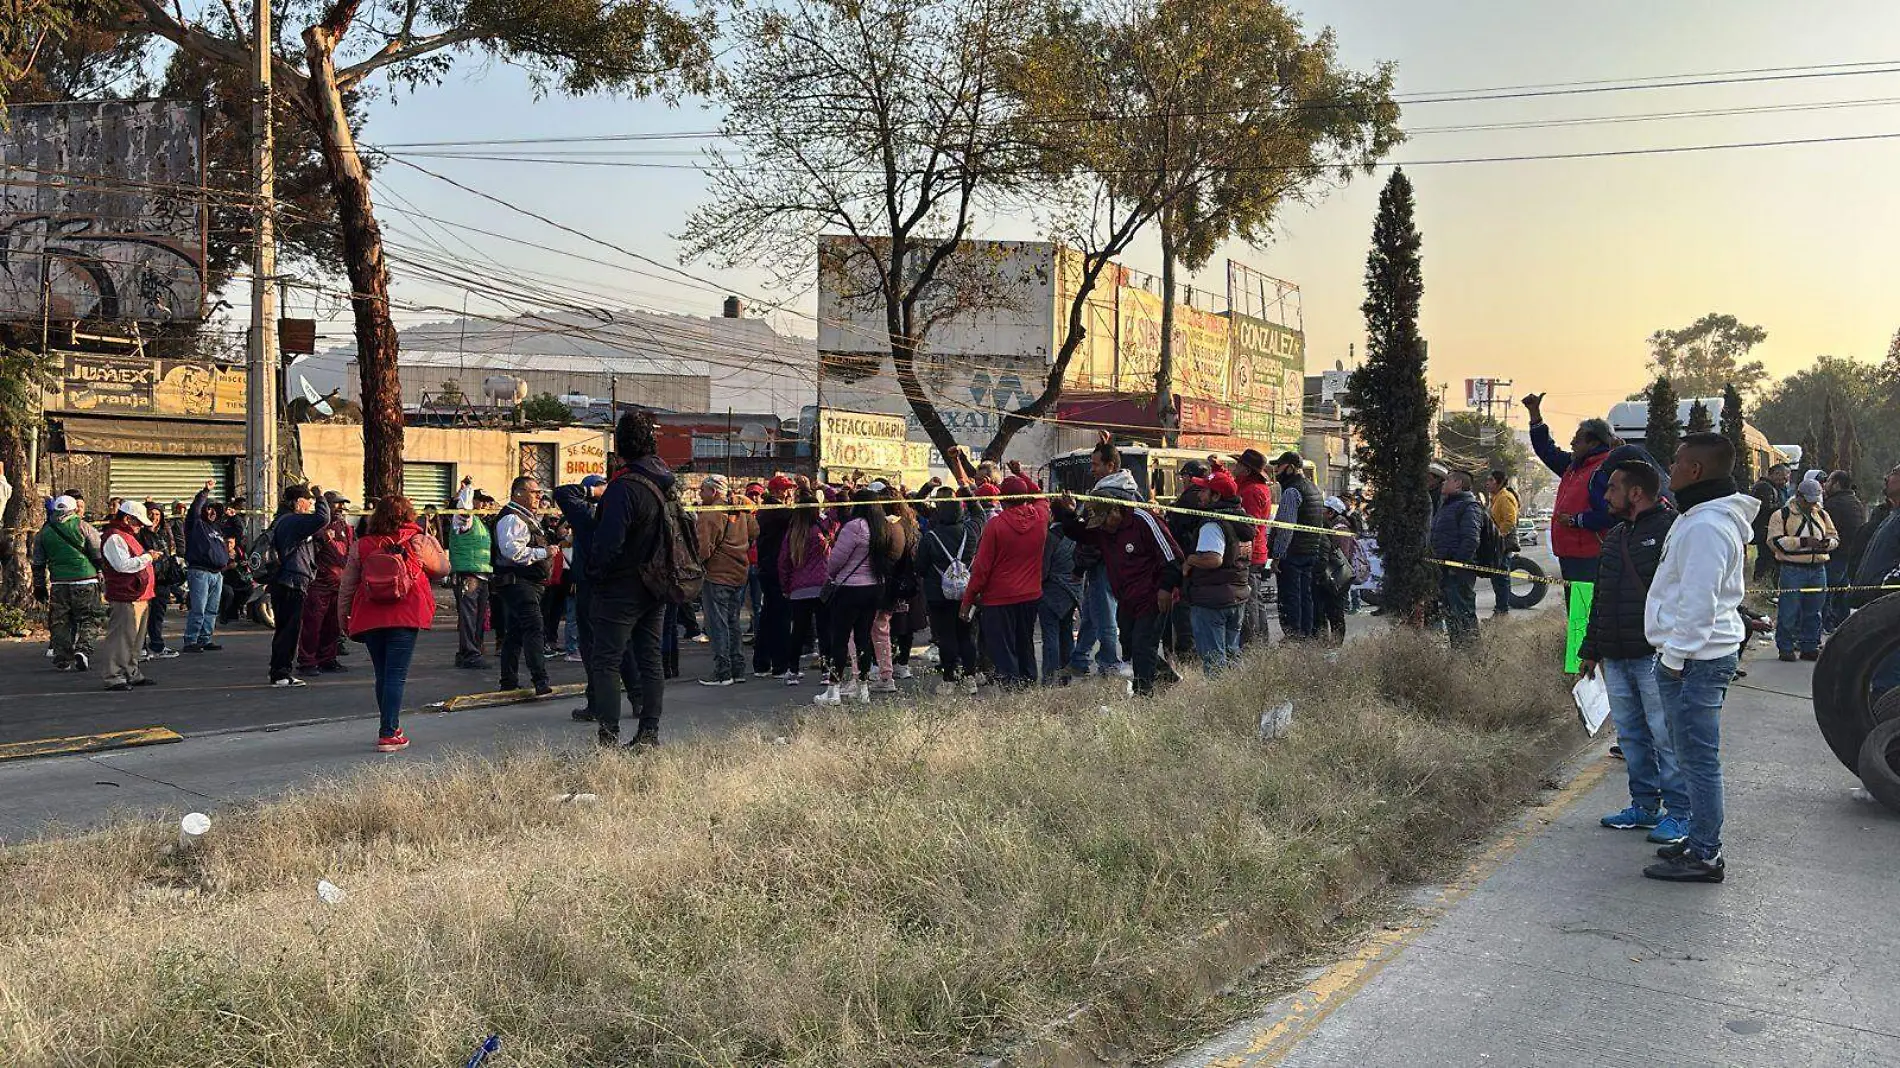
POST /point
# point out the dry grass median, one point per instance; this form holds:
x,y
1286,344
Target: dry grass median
x,y
894,887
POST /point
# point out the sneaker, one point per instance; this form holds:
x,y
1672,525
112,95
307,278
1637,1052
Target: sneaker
x,y
82,662
946,689
715,682
793,678
902,671
1669,830
143,681
542,689
574,658
1125,669
698,639
831,696
1673,850
884,686
1688,868
144,655
738,680
332,668
981,678
645,738
849,688
49,653
119,687
165,654
1813,656
1616,752
582,715
1632,819
607,739
1788,656
210,647
392,743
766,674
194,648
864,692
288,681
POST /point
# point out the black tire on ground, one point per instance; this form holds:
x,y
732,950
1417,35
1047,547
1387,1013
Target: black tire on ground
x,y
1846,670
1533,595
1880,764
1887,709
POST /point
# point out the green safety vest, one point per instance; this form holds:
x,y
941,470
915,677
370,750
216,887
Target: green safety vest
x,y
64,547
471,551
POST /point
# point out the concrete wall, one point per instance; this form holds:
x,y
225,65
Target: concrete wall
x,y
677,393
333,454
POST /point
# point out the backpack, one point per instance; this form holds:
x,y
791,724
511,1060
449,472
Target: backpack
x,y
673,573
956,573
1490,540
388,573
263,561
1336,571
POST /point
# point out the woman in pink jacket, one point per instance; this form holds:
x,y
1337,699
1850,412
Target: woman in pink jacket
x,y
801,575
859,560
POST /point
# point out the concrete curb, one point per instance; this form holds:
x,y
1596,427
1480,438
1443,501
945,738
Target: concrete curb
x,y
1236,947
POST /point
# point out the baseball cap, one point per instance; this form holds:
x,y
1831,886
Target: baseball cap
x,y
1810,490
988,489
594,480
779,484
1288,457
332,497
1220,484
1438,469
716,481
133,509
1194,470
65,503
1015,485
1336,505
754,487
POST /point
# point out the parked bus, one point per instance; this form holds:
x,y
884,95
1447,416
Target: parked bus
x,y
1630,421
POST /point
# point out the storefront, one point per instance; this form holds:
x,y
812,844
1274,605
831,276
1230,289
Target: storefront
x,y
144,428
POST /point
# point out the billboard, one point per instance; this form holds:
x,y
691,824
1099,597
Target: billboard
x,y
1200,347
872,443
138,385
102,212
1269,382
989,298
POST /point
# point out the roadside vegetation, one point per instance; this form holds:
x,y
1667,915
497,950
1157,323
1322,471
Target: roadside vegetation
x,y
904,885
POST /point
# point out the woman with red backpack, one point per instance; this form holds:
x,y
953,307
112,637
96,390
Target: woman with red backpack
x,y
386,599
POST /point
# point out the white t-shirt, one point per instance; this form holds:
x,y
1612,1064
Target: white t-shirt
x,y
1212,539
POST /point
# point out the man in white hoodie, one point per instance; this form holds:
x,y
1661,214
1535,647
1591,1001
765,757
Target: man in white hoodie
x,y
1692,616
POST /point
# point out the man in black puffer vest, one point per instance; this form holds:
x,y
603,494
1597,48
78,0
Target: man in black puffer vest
x,y
1297,553
1615,644
1215,581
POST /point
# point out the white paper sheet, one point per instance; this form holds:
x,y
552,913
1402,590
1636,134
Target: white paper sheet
x,y
1593,701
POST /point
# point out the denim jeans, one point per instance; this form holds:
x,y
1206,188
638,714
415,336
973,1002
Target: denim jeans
x,y
1798,615
1458,592
390,650
1217,635
1501,594
1058,638
1297,619
1642,728
721,604
1100,629
204,597
754,599
1836,611
571,644
1693,699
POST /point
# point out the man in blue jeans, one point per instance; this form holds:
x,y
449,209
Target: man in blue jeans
x,y
1616,646
206,557
1692,616
1296,553
1803,537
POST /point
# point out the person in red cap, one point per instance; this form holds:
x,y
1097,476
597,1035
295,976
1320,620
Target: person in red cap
x,y
1006,579
1215,578
772,654
1256,499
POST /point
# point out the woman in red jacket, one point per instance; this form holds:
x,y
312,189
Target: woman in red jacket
x,y
386,600
1006,580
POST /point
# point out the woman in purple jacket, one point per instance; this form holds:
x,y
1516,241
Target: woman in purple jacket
x,y
859,560
801,575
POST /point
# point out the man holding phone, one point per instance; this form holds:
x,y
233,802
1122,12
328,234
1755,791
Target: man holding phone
x,y
1803,537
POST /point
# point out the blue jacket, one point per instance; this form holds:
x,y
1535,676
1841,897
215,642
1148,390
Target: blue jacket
x,y
290,535
1456,527
578,509
204,541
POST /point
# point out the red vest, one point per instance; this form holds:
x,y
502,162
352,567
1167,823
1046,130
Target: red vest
x,y
127,587
1573,498
416,611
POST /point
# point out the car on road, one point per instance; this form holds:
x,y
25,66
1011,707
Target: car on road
x,y
1528,532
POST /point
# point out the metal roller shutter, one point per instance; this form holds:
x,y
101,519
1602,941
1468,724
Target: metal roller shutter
x,y
166,479
428,483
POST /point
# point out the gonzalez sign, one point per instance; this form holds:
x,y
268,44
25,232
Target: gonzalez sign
x,y
1269,382
872,443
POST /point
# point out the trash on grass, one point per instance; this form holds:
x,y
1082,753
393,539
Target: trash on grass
x,y
330,893
1276,720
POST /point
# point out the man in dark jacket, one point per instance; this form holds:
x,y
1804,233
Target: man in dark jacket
x,y
1455,535
1142,561
626,615
300,514
1771,489
772,654
318,644
206,557
1849,512
1297,553
1615,644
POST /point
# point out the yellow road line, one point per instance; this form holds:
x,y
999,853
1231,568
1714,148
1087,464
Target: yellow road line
x,y
464,702
1323,996
88,743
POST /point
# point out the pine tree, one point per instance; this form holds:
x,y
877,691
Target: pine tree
x,y
1830,436
1394,408
1732,421
1700,421
1847,453
1807,454
1664,431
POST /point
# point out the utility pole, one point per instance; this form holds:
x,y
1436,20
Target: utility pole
x,y
260,408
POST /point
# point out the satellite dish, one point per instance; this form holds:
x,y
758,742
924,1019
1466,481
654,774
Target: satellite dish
x,y
317,403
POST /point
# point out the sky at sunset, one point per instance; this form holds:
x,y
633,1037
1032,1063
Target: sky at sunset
x,y
1548,272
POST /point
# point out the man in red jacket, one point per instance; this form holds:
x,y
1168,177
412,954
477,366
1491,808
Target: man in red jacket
x,y
1256,499
1143,563
129,588
1006,579
318,643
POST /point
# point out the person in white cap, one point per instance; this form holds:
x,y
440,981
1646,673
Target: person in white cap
x,y
130,585
69,548
1803,538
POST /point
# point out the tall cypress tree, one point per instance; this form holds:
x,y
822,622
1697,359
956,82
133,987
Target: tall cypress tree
x,y
1664,431
1393,408
1829,438
1847,453
1700,421
1732,420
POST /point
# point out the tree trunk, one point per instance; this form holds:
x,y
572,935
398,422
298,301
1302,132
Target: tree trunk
x,y
904,361
369,275
1166,417
16,525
